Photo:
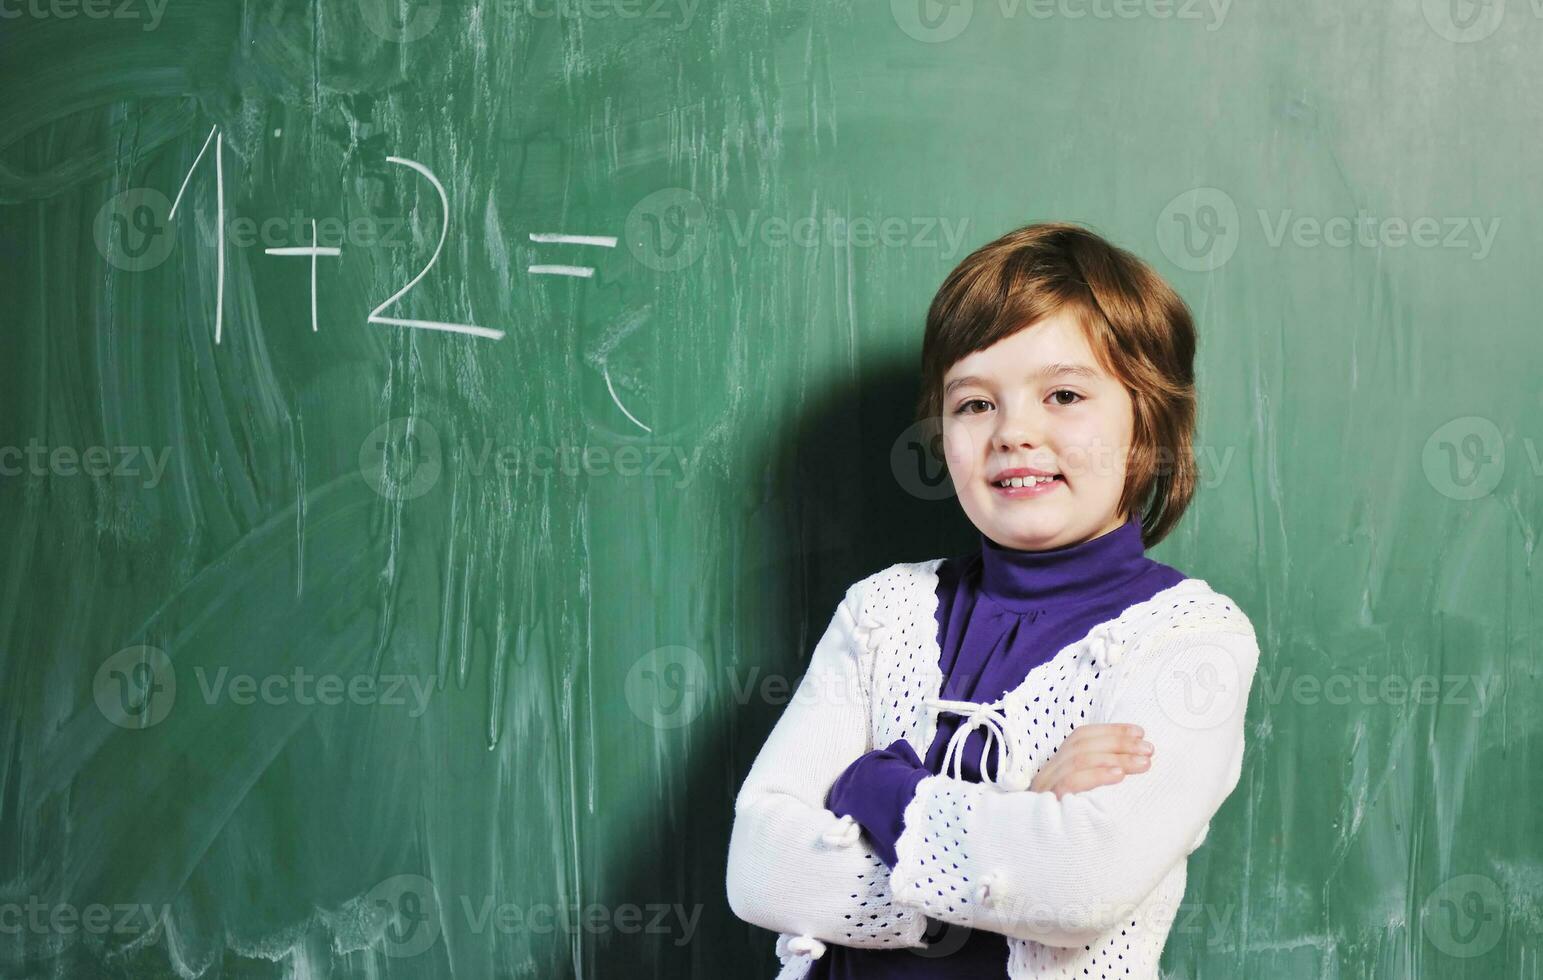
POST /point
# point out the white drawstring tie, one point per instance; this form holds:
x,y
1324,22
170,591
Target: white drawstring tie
x,y
1105,645
869,630
985,892
843,832
797,953
993,722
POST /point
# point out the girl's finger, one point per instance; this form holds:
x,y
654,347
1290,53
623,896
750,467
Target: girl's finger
x,y
1087,779
1127,744
1125,761
1100,730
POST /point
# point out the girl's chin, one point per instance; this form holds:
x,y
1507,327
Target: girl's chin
x,y
1036,532
1029,513
1027,532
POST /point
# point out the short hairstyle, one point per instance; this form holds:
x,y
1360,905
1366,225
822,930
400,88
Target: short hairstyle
x,y
1139,329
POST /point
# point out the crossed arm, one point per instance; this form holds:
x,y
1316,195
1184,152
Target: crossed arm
x,y
793,866
1024,864
1064,871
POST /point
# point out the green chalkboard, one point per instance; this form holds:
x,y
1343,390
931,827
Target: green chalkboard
x,y
406,546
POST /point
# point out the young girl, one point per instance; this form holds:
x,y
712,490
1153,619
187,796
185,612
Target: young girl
x,y
997,765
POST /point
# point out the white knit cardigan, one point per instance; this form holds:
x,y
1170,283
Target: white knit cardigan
x,y
1086,886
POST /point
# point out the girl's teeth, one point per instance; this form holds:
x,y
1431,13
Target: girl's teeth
x,y
1024,481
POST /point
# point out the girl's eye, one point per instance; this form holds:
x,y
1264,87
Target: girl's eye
x,y
964,406
1065,391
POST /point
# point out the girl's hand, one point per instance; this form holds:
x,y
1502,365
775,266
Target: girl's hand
x,y
1093,755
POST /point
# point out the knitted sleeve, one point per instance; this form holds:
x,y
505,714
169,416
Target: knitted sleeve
x,y
795,867
1064,872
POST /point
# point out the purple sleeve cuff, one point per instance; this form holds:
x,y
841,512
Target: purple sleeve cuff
x,y
874,791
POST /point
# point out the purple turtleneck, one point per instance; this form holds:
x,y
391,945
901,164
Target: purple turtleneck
x,y
1001,612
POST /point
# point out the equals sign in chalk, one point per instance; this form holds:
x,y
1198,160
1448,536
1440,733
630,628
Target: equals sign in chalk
x,y
557,238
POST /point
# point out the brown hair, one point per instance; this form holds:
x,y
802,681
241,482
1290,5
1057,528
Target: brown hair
x,y
1139,329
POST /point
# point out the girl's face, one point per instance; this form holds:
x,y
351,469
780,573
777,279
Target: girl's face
x,y
1037,401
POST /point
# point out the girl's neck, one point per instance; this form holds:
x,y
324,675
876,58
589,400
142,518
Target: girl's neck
x,y
1022,580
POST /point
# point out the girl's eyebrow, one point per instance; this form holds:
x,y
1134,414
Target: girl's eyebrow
x,y
1058,369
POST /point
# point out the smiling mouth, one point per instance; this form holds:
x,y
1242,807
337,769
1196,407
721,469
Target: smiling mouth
x,y
1025,481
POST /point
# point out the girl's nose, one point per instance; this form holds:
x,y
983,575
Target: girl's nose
x,y
1015,430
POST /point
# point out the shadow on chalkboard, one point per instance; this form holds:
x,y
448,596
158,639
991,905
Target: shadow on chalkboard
x,y
849,513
